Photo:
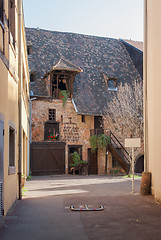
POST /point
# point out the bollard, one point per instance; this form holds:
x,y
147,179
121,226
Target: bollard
x,y
145,188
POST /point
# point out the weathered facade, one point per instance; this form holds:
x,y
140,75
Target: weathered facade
x,y
14,103
90,69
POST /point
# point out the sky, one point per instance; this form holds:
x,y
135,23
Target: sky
x,y
105,18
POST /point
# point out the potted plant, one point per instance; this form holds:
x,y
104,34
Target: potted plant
x,y
100,141
78,165
53,136
93,142
64,95
103,141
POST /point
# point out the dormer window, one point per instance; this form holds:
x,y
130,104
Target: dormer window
x,y
61,77
61,80
32,76
29,50
112,84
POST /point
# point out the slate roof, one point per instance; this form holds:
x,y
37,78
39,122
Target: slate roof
x,y
136,44
65,65
96,56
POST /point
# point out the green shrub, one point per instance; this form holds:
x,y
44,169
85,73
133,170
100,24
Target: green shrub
x,y
100,141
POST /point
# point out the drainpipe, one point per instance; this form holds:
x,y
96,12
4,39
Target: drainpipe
x,y
146,150
20,95
145,187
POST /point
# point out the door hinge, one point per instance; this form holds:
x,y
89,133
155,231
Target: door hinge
x,y
3,132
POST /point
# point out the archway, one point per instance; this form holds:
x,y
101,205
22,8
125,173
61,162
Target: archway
x,y
139,164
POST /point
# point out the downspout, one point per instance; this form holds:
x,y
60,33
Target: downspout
x,y
19,95
145,188
146,150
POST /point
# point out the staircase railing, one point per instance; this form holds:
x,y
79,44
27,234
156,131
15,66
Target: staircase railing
x,y
114,141
114,147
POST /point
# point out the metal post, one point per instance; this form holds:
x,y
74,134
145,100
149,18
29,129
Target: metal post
x,y
132,169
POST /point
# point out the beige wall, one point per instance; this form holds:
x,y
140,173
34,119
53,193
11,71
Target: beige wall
x,y
153,104
9,81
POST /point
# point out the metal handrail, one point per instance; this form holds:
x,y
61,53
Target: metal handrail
x,y
118,144
113,139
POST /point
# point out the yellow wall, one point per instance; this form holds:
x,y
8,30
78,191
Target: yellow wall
x,y
153,119
9,113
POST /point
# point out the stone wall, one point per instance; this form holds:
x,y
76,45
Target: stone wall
x,y
71,128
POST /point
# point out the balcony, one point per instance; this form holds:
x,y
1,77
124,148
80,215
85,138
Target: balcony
x,y
99,132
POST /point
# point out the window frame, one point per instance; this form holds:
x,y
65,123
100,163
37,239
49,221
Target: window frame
x,y
83,118
12,22
115,84
2,12
33,74
53,126
52,114
12,150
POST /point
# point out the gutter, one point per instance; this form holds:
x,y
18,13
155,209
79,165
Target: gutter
x,y
146,155
74,106
20,95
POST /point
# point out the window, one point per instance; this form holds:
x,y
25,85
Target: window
x,y
51,128
52,114
1,11
29,50
98,124
11,147
83,118
2,27
61,80
112,84
32,76
61,119
12,21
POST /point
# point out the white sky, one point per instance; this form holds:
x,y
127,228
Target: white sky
x,y
106,18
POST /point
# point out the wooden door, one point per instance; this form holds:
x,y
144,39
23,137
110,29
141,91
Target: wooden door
x,y
47,158
72,149
92,162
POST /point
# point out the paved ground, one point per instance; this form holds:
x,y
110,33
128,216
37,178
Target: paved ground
x,y
44,212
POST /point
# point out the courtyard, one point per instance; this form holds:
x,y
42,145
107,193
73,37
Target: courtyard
x,y
44,212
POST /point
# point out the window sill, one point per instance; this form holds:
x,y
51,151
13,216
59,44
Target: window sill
x,y
11,170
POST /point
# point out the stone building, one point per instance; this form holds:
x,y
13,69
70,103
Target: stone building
x,y
90,69
14,103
